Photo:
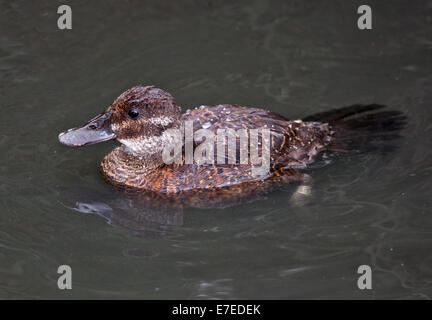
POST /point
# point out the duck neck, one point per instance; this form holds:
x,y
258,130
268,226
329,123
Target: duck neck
x,y
142,161
146,152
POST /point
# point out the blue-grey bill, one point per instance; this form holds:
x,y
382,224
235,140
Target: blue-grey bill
x,y
96,130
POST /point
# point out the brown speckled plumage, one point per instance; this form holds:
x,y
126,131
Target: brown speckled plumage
x,y
293,145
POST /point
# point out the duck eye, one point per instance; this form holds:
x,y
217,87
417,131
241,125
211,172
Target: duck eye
x,y
133,114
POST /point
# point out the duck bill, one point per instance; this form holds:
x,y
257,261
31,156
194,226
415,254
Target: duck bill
x,y
96,130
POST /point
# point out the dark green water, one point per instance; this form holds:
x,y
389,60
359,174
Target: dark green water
x,y
292,57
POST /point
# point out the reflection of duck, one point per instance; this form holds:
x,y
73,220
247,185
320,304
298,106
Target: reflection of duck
x,y
147,218
141,117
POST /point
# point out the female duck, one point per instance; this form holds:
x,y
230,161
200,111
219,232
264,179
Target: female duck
x,y
143,118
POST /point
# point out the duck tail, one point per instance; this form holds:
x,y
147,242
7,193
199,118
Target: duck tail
x,y
362,128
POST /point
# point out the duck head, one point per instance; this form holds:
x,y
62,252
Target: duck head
x,y
138,119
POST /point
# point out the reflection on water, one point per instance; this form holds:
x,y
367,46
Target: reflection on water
x,y
291,57
139,215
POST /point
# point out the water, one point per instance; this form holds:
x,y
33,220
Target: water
x,y
294,58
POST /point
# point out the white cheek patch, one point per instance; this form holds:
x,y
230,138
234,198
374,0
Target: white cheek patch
x,y
164,121
142,145
148,145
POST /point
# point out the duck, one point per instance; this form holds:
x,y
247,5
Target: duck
x,y
147,122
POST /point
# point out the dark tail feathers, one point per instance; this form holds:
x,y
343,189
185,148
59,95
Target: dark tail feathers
x,y
362,128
